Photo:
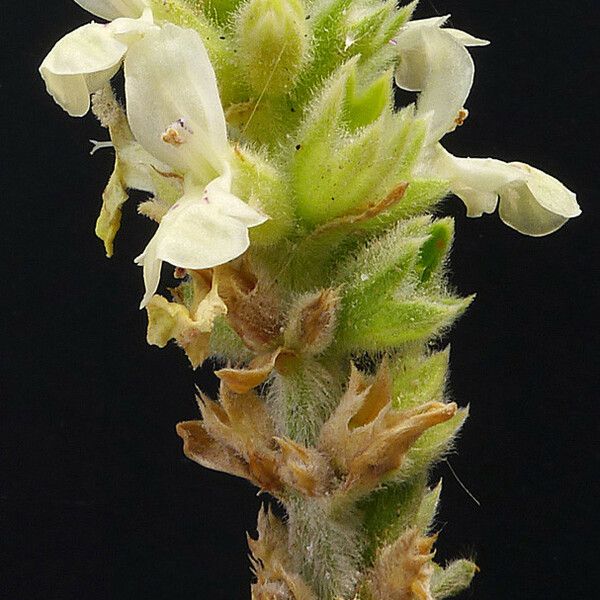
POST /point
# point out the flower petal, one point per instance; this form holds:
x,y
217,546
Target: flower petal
x,y
152,266
435,62
520,210
80,63
204,229
538,204
475,181
173,102
531,201
113,9
466,39
217,191
550,193
86,59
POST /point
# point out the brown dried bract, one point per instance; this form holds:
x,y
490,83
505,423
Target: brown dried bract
x,y
271,563
254,312
190,325
257,372
367,438
304,469
205,450
310,330
403,570
241,428
237,436
312,322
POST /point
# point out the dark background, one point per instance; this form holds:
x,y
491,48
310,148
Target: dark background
x,y
96,498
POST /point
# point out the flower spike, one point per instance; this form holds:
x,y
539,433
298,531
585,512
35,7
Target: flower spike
x,y
325,320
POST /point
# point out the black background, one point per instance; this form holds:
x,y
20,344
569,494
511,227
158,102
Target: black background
x,y
96,498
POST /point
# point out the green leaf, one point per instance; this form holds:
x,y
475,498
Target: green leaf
x,y
417,379
272,44
372,29
388,323
338,171
381,53
220,10
428,509
367,26
384,262
383,306
435,249
389,510
452,580
327,19
402,145
396,21
432,445
363,106
262,185
315,160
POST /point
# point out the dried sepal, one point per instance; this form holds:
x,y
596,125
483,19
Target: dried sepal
x,y
271,545
169,320
254,311
240,428
240,423
242,380
114,196
312,321
387,440
208,452
304,469
334,431
272,565
239,420
367,438
187,321
403,570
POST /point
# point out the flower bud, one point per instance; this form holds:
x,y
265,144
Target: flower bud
x,y
273,44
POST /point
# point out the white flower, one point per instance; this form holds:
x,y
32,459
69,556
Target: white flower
x,y
113,9
175,113
86,59
530,201
435,62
